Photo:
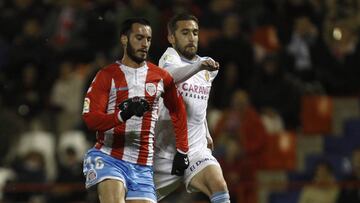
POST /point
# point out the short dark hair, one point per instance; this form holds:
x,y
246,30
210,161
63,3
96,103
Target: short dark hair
x,y
127,24
179,17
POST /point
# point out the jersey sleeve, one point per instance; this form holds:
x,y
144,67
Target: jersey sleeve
x,y
95,104
174,103
180,73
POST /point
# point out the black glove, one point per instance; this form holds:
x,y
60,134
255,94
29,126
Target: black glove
x,y
180,163
134,106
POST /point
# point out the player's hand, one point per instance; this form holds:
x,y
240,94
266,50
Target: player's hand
x,y
210,65
142,108
180,163
133,106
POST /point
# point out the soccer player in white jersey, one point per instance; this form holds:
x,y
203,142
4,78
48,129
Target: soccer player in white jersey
x,y
193,76
121,105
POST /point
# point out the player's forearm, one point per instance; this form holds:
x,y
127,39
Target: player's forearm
x,y
99,121
174,103
180,127
178,117
181,74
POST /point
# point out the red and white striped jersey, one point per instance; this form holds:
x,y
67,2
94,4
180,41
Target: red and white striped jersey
x,y
133,140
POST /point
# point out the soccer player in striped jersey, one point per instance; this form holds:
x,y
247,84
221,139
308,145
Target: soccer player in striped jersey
x,y
121,105
193,76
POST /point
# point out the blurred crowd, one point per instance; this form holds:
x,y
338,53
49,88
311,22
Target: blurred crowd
x,y
272,52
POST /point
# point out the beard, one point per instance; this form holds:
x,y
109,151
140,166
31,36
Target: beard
x,y
131,52
184,51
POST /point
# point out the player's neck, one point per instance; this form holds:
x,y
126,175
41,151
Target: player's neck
x,y
127,61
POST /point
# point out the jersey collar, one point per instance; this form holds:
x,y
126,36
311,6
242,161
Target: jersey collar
x,y
122,66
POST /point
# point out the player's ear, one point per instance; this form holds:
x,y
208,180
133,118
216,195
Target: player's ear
x,y
124,40
171,38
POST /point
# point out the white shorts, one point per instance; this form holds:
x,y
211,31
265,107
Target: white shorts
x,y
165,183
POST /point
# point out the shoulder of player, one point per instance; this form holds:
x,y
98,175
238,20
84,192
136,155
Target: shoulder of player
x,y
109,68
170,56
107,71
162,73
154,68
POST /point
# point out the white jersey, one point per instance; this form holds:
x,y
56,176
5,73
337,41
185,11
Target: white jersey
x,y
195,92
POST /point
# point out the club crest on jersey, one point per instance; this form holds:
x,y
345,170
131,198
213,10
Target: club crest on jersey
x,y
168,58
150,88
91,175
207,76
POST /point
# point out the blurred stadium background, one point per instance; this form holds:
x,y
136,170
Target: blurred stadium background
x,y
284,109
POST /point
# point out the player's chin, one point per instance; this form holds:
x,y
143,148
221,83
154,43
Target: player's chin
x,y
190,54
191,49
193,52
142,55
